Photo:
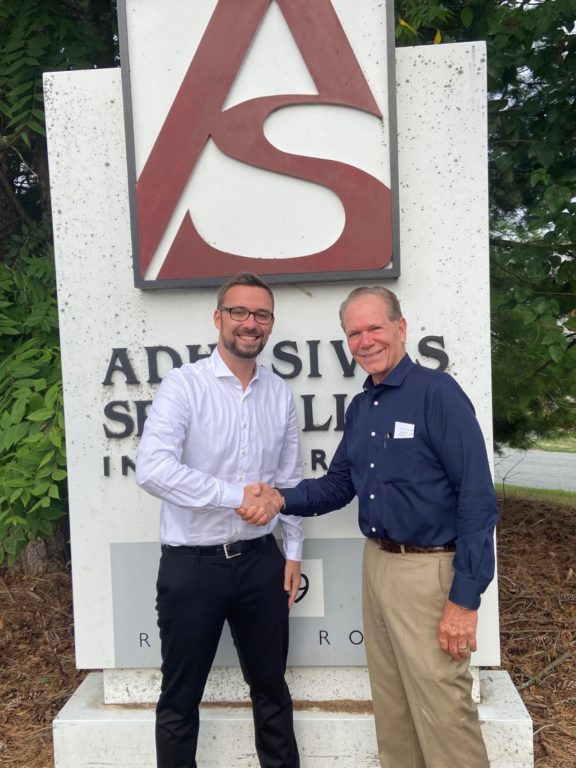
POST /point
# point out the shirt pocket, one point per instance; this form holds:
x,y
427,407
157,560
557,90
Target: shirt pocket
x,y
401,460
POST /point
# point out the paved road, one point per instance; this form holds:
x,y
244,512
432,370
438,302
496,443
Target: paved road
x,y
537,469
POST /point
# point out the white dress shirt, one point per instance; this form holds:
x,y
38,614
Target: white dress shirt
x,y
206,438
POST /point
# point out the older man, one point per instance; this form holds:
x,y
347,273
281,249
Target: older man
x,y
413,453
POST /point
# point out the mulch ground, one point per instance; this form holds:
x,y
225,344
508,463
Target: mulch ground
x,y
537,577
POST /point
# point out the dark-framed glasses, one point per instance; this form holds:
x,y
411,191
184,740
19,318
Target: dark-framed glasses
x,y
239,314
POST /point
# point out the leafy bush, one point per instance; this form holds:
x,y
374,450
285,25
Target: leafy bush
x,y
32,450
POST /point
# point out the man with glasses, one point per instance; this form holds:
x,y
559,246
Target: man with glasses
x,y
214,428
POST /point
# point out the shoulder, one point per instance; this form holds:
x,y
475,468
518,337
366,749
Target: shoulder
x,y
189,374
432,378
438,387
271,380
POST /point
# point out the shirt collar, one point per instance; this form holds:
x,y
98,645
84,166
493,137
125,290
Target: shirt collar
x,y
395,378
222,371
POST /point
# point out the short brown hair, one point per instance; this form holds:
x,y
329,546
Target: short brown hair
x,y
243,278
389,298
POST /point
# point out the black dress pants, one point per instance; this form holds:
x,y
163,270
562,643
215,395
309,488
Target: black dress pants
x,y
196,594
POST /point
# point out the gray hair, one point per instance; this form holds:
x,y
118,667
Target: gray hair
x,y
389,298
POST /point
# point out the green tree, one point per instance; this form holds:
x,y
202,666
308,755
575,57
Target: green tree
x,y
531,50
38,36
35,36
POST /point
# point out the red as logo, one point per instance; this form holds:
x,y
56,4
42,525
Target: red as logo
x,y
196,115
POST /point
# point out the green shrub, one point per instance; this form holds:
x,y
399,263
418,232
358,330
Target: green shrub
x,y
32,449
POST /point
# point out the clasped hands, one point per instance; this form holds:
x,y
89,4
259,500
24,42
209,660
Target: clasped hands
x,y
260,504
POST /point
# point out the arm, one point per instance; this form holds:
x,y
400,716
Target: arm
x,y
287,474
316,496
324,494
159,469
459,443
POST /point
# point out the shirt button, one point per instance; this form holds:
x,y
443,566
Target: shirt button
x,y
372,434
375,402
373,530
371,495
371,466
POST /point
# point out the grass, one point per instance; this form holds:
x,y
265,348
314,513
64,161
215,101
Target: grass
x,y
561,498
565,443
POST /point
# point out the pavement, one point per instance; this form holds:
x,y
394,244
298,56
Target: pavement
x,y
536,469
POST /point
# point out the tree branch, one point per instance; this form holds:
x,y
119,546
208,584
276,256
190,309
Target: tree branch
x,y
566,248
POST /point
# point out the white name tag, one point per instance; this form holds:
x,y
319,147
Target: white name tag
x,y
403,430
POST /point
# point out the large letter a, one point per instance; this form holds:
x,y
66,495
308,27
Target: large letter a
x,y
196,115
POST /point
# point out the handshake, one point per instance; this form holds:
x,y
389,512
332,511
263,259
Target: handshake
x,y
260,504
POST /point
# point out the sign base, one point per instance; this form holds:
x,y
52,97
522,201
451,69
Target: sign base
x,y
90,733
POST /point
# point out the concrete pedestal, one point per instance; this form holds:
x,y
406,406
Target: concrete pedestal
x,y
91,734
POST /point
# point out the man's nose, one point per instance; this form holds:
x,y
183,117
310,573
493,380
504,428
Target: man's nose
x,y
250,321
366,339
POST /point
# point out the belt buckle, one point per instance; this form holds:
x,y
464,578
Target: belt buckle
x,y
227,555
402,549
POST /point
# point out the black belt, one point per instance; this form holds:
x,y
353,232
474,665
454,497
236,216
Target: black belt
x,y
390,546
232,549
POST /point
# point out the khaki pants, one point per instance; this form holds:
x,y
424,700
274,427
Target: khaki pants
x,y
424,713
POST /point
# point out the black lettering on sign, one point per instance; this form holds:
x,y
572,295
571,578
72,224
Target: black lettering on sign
x,y
120,362
286,357
356,637
318,459
425,348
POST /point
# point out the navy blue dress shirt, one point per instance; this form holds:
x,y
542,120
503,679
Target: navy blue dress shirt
x,y
414,454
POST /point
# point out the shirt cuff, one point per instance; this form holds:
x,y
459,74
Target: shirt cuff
x,y
465,592
231,495
293,499
292,550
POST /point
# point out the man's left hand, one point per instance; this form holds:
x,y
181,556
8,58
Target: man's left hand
x,y
292,580
457,631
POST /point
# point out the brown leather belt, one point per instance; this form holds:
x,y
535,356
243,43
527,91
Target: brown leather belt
x,y
390,546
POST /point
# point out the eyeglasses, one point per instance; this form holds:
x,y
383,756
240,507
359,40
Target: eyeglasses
x,y
239,314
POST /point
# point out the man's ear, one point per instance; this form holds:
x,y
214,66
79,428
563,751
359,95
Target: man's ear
x,y
402,327
217,318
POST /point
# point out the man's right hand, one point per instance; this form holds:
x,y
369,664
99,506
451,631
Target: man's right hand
x,y
260,504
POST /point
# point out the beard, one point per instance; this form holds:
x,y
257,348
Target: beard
x,y
233,346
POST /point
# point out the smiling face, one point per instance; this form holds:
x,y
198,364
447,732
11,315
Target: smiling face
x,y
375,341
247,338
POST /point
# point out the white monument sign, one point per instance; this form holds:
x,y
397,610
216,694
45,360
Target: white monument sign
x,y
137,298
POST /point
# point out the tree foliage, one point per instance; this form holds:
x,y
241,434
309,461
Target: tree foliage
x,y
531,48
32,455
38,36
35,36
